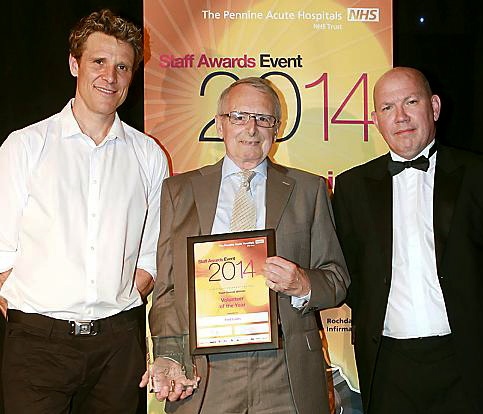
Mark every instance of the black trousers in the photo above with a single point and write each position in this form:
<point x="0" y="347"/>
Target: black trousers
<point x="418" y="376"/>
<point x="48" y="371"/>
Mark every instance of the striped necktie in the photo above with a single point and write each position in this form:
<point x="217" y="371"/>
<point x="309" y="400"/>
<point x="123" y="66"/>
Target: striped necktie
<point x="244" y="215"/>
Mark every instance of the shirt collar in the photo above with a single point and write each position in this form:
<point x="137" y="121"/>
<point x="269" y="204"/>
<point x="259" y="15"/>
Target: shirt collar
<point x="424" y="152"/>
<point x="229" y="168"/>
<point x="71" y="129"/>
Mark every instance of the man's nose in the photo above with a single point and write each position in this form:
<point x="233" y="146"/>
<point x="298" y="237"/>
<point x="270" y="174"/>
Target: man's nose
<point x="110" y="74"/>
<point x="401" y="114"/>
<point x="252" y="125"/>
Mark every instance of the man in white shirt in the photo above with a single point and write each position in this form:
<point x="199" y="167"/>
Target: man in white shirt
<point x="411" y="228"/>
<point x="308" y="272"/>
<point x="79" y="224"/>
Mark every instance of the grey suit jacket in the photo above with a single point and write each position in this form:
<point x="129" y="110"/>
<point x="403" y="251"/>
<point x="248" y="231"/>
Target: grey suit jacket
<point x="298" y="208"/>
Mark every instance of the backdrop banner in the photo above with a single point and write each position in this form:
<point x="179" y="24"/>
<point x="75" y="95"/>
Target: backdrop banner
<point x="324" y="57"/>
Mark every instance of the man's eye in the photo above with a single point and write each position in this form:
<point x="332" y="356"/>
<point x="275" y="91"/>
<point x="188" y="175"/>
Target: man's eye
<point x="412" y="101"/>
<point x="237" y="117"/>
<point x="385" y="108"/>
<point x="122" y="67"/>
<point x="263" y="118"/>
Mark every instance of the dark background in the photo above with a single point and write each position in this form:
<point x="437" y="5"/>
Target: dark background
<point x="36" y="83"/>
<point x="447" y="48"/>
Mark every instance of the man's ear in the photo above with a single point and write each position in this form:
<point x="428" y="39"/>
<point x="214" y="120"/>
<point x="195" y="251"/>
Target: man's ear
<point x="436" y="104"/>
<point x="219" y="125"/>
<point x="374" y="119"/>
<point x="73" y="66"/>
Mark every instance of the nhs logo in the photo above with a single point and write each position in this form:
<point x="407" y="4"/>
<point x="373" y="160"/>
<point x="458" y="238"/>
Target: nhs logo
<point x="362" y="15"/>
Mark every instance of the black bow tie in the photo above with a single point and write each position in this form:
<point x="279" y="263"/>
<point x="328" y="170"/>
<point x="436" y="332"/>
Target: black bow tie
<point x="420" y="163"/>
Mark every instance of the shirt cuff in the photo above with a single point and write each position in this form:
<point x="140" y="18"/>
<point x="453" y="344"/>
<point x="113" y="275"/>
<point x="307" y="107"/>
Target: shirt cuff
<point x="145" y="266"/>
<point x="300" y="302"/>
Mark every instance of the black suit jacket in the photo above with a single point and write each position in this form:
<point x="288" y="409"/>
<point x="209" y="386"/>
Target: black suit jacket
<point x="363" y="213"/>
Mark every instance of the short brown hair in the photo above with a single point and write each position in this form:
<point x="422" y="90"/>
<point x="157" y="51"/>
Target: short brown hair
<point x="105" y="21"/>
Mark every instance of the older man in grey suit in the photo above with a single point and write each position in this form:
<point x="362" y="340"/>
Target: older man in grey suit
<point x="308" y="273"/>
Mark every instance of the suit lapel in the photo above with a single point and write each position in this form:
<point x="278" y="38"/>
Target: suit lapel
<point x="447" y="179"/>
<point x="278" y="190"/>
<point x="206" y="187"/>
<point x="379" y="186"/>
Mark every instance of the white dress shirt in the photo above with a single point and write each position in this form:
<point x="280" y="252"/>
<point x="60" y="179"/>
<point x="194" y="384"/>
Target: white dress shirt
<point x="416" y="305"/>
<point x="77" y="219"/>
<point x="230" y="184"/>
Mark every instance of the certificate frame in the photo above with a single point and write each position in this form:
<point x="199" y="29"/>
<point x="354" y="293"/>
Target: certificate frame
<point x="237" y="312"/>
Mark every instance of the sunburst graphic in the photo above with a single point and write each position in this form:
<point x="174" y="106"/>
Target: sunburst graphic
<point x="326" y="79"/>
<point x="181" y="32"/>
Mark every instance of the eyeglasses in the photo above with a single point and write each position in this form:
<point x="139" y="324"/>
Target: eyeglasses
<point x="241" y="118"/>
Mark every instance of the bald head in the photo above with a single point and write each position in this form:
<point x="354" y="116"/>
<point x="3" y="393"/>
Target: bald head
<point x="403" y="72"/>
<point x="405" y="111"/>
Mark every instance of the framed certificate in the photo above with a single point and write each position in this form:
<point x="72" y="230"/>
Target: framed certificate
<point x="230" y="307"/>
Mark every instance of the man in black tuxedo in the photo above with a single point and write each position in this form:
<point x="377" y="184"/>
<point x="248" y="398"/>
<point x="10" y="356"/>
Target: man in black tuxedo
<point x="411" y="227"/>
